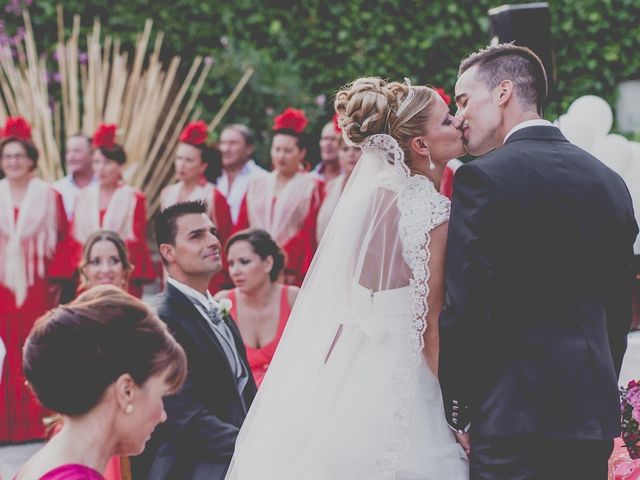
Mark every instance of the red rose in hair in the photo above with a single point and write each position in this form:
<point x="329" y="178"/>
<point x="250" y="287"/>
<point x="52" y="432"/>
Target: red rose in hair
<point x="16" y="127"/>
<point x="443" y="94"/>
<point x="291" y="119"/>
<point x="336" y="124"/>
<point x="105" y="136"/>
<point x="195" y="133"/>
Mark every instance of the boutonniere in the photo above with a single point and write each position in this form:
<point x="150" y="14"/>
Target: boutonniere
<point x="225" y="306"/>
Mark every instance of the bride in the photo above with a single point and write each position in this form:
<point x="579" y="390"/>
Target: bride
<point x="352" y="392"/>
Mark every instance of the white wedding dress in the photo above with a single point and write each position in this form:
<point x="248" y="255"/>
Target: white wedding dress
<point x="349" y="395"/>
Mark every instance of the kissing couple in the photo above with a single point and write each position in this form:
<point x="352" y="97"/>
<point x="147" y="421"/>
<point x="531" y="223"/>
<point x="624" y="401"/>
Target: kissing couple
<point x="479" y="338"/>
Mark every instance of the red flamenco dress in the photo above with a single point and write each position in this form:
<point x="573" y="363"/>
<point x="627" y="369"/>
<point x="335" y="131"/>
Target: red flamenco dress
<point x="290" y="217"/>
<point x="35" y="250"/>
<point x="260" y="358"/>
<point x="126" y="215"/>
<point x="218" y="211"/>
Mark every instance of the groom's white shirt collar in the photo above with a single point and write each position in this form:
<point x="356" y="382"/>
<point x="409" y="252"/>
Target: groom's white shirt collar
<point x="193" y="293"/>
<point x="539" y="122"/>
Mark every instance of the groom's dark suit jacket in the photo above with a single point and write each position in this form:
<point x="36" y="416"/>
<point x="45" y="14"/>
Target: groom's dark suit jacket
<point x="538" y="278"/>
<point x="203" y="419"/>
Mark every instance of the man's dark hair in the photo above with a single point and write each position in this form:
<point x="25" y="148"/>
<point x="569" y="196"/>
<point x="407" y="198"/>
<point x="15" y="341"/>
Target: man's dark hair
<point x="166" y="221"/>
<point x="511" y="62"/>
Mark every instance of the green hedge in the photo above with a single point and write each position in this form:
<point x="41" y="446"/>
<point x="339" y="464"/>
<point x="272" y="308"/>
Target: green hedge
<point x="305" y="52"/>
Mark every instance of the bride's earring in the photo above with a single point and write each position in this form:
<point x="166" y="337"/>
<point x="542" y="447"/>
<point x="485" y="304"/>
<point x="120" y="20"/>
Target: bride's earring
<point x="432" y="166"/>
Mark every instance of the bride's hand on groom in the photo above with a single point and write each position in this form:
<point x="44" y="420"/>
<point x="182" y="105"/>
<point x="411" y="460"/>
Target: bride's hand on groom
<point x="463" y="440"/>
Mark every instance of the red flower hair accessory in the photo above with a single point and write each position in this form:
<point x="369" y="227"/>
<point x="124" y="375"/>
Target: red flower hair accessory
<point x="336" y="124"/>
<point x="195" y="133"/>
<point x="105" y="136"/>
<point x="440" y="91"/>
<point x="291" y="119"/>
<point x="16" y="127"/>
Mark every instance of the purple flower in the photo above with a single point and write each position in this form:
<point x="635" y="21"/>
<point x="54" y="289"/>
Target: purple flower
<point x="321" y="100"/>
<point x="208" y="60"/>
<point x="83" y="57"/>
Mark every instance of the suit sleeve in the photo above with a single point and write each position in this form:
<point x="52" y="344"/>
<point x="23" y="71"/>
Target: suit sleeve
<point x="618" y="306"/>
<point x="189" y="421"/>
<point x="198" y="427"/>
<point x="468" y="273"/>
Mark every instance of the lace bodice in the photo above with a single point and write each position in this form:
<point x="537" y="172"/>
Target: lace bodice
<point x="422" y="208"/>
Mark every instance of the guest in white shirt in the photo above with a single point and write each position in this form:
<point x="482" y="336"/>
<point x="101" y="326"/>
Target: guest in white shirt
<point x="237" y="145"/>
<point x="79" y="171"/>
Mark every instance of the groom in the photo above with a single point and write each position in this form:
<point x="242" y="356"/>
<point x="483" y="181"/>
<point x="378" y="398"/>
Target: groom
<point x="203" y="419"/>
<point x="538" y="276"/>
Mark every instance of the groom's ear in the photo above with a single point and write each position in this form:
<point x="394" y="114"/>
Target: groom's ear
<point x="504" y="91"/>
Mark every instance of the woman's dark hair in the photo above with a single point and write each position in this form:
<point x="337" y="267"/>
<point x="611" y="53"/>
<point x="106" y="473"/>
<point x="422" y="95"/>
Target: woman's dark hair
<point x="213" y="159"/>
<point x="109" y="236"/>
<point x="207" y="153"/>
<point x="301" y="139"/>
<point x="74" y="352"/>
<point x="264" y="246"/>
<point x="115" y="153"/>
<point x="29" y="146"/>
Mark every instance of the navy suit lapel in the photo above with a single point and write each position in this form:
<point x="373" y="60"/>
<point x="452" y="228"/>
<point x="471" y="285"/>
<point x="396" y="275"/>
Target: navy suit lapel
<point x="197" y="326"/>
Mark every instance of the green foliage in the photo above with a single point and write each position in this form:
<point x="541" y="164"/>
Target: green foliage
<point x="305" y="51"/>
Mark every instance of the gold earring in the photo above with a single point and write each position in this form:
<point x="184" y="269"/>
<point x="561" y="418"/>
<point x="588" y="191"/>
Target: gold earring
<point x="128" y="409"/>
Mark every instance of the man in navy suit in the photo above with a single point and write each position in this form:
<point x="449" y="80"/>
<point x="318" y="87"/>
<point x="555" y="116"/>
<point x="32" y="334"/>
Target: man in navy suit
<point x="203" y="419"/>
<point x="538" y="277"/>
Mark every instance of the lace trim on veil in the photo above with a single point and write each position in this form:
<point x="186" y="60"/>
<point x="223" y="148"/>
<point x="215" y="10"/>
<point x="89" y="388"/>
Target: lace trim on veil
<point x="421" y="208"/>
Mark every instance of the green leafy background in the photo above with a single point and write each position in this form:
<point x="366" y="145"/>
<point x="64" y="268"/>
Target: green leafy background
<point x="303" y="51"/>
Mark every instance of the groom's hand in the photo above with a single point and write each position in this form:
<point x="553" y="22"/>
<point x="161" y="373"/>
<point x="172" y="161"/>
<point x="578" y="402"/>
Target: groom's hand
<point x="463" y="440"/>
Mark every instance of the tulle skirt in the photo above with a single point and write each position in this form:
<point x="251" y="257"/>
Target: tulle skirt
<point x="346" y="421"/>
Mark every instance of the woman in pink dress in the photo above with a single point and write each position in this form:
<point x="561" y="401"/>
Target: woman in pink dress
<point x="259" y="304"/>
<point x="34" y="244"/>
<point x="286" y="202"/>
<point x="104" y="362"/>
<point x="193" y="156"/>
<point x="111" y="204"/>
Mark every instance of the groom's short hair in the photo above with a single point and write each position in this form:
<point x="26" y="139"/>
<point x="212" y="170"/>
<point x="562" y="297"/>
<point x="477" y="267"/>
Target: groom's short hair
<point x="166" y="225"/>
<point x="511" y="62"/>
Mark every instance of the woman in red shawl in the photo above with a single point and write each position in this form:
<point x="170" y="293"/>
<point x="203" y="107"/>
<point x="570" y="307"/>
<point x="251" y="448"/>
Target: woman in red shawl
<point x="111" y="204"/>
<point x="33" y="242"/>
<point x="285" y="203"/>
<point x="193" y="157"/>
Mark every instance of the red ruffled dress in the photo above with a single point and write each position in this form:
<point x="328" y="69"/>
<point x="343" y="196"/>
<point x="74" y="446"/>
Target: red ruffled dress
<point x="143" y="271"/>
<point x="298" y="238"/>
<point x="20" y="413"/>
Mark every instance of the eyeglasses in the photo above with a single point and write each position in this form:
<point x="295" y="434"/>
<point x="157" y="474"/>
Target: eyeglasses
<point x="16" y="156"/>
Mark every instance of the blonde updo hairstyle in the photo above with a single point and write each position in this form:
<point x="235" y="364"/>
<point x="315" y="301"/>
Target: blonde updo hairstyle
<point x="369" y="106"/>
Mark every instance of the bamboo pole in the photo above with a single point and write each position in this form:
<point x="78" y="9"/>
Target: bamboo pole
<point x="232" y="98"/>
